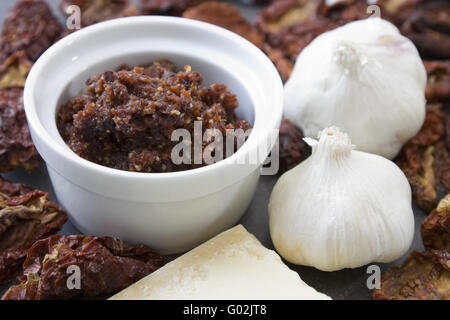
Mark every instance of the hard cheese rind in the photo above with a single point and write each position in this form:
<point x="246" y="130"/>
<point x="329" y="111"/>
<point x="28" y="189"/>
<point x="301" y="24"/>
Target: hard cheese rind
<point x="233" y="265"/>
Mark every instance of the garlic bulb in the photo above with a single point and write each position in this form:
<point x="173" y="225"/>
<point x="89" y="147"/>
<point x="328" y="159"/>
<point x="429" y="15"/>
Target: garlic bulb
<point x="363" y="77"/>
<point x="341" y="208"/>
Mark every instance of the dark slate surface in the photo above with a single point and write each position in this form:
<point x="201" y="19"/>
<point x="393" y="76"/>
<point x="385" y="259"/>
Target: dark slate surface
<point x="345" y="284"/>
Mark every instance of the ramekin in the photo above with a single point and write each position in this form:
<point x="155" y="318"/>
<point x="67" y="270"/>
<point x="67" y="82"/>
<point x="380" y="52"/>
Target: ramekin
<point x="170" y="212"/>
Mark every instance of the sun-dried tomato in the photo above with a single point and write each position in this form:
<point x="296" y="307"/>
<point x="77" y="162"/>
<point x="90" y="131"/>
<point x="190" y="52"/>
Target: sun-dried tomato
<point x="285" y="13"/>
<point x="397" y="11"/>
<point x="281" y="62"/>
<point x="438" y="85"/>
<point x="14" y="70"/>
<point x="142" y="107"/>
<point x="106" y="266"/>
<point x="293" y="149"/>
<point x="26" y="216"/>
<point x="29" y="26"/>
<point x="428" y="26"/>
<point x="435" y="228"/>
<point x="168" y="7"/>
<point x="424" y="276"/>
<point x="290" y="25"/>
<point x="225" y="16"/>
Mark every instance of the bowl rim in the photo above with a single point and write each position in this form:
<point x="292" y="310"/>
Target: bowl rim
<point x="67" y="154"/>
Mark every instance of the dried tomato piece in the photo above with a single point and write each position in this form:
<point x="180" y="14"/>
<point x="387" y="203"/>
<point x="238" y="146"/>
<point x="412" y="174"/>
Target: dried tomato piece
<point x="13" y="189"/>
<point x="167" y="7"/>
<point x="293" y="149"/>
<point x="14" y="70"/>
<point x="346" y="10"/>
<point x="285" y="13"/>
<point x="281" y="62"/>
<point x="107" y="265"/>
<point x="290" y="25"/>
<point x="94" y="11"/>
<point x="424" y="276"/>
<point x="25" y="217"/>
<point x="425" y="159"/>
<point x="254" y="2"/>
<point x="438" y="85"/>
<point x="428" y="26"/>
<point x="397" y="11"/>
<point x="226" y="16"/>
<point x="16" y="147"/>
<point x="293" y="39"/>
<point x="30" y="26"/>
<point x="143" y="106"/>
<point x="435" y="228"/>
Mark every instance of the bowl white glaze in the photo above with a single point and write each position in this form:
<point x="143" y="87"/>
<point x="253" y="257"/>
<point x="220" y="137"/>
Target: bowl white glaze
<point x="170" y="212"/>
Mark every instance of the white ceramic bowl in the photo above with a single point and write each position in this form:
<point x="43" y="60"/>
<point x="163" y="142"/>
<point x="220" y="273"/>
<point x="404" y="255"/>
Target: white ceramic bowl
<point x="170" y="212"/>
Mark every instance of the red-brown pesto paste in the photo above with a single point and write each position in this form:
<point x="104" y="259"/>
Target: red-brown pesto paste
<point x="126" y="118"/>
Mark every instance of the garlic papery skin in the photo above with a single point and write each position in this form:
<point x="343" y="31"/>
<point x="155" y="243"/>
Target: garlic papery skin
<point x="363" y="77"/>
<point x="341" y="208"/>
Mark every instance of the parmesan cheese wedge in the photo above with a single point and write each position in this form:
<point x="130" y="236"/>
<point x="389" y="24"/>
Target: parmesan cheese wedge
<point x="233" y="265"/>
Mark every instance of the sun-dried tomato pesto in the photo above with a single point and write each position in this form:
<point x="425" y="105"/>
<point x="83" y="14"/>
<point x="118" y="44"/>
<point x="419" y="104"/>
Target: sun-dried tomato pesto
<point x="126" y="118"/>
